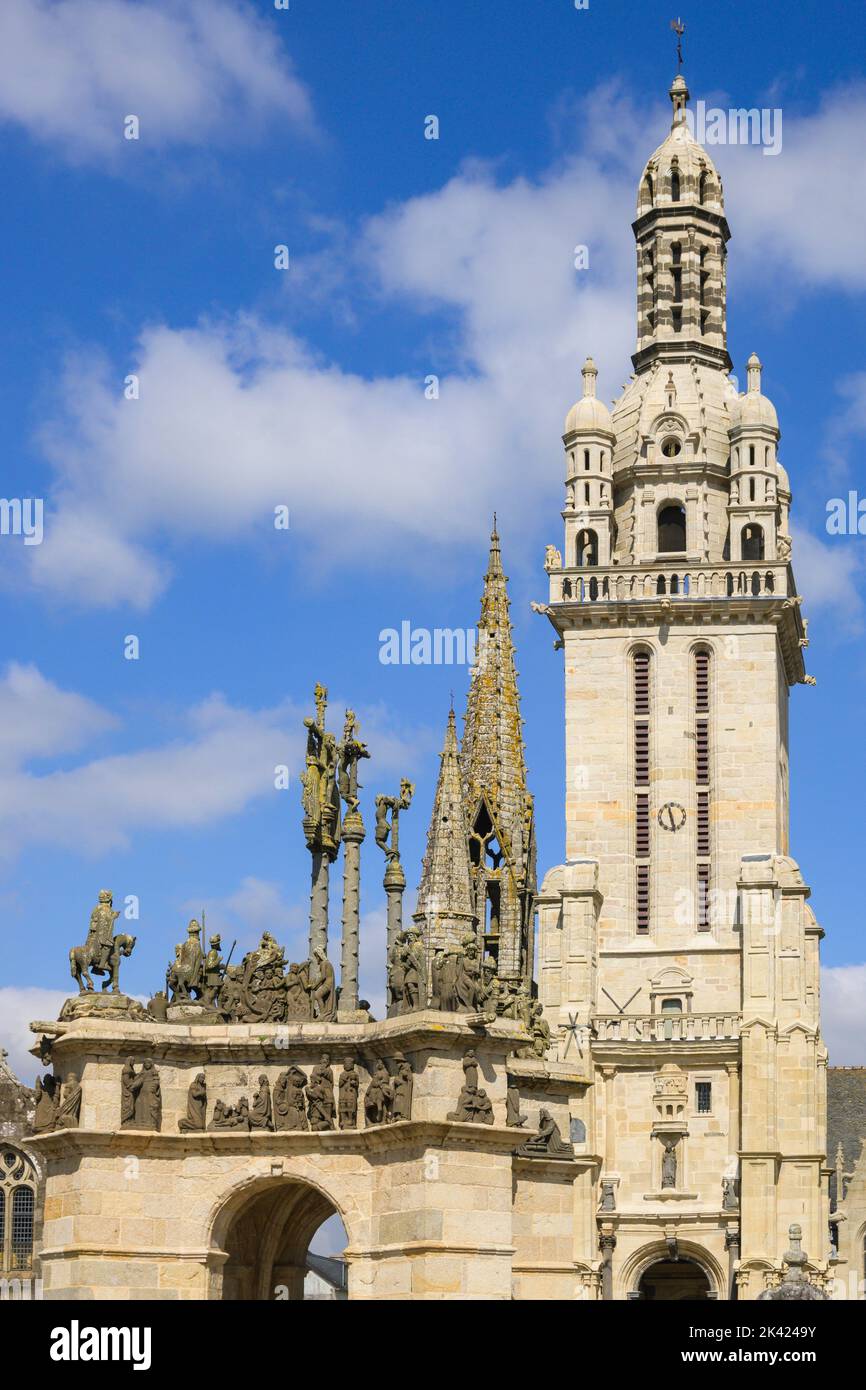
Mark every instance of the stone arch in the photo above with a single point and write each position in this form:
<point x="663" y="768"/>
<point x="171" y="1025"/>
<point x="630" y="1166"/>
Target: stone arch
<point x="260" y="1233"/>
<point x="656" y="1252"/>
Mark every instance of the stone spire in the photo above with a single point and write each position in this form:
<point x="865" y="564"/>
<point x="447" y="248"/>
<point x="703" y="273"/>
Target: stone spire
<point x="499" y="809"/>
<point x="444" y="910"/>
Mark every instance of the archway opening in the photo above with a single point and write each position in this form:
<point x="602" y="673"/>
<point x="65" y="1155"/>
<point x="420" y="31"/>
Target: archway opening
<point x="674" y="1281"/>
<point x="284" y="1243"/>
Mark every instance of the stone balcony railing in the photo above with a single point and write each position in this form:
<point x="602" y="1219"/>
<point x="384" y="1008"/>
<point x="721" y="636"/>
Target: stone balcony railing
<point x="656" y="1028"/>
<point x="676" y="581"/>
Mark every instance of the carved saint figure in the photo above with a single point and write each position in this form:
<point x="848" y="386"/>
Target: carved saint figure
<point x="350" y="753"/>
<point x="213" y="972"/>
<point x="47" y="1098"/>
<point x="348" y="1102"/>
<point x="297" y="986"/>
<point x="320" y="1095"/>
<point x="669" y="1160"/>
<point x="513" y="1117"/>
<point x="185" y="975"/>
<point x="378" y="1096"/>
<point x="148" y="1098"/>
<point x="402" y="1087"/>
<point x="325" y="988"/>
<point x="414" y="971"/>
<point x="195" y="1119"/>
<point x="548" y="1142"/>
<point x="69" y="1109"/>
<point x="387" y="834"/>
<point x="260" y="1114"/>
<point x="468" y="978"/>
<point x="127" y="1095"/>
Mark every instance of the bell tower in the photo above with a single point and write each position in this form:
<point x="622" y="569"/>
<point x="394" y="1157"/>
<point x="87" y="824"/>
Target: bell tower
<point x="678" y="933"/>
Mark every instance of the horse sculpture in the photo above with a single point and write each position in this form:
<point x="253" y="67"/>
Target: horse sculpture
<point x="84" y="959"/>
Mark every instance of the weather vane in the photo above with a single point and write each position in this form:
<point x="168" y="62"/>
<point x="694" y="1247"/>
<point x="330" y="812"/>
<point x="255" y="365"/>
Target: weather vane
<point x="679" y="29"/>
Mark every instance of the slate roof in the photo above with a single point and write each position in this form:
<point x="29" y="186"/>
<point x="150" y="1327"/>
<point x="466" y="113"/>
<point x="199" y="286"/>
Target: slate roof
<point x="846" y="1116"/>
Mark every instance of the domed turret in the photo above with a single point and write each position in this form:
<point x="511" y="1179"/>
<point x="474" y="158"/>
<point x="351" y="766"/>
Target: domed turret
<point x="589" y="413"/>
<point x="589" y="441"/>
<point x="758" y="507"/>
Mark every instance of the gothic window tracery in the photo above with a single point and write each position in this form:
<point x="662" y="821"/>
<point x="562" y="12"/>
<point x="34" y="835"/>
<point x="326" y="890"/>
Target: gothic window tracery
<point x="18" y="1183"/>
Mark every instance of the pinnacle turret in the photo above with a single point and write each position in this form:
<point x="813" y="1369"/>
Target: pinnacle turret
<point x="445" y="909"/>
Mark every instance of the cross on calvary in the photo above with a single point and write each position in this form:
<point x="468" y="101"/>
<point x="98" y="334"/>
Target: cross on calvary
<point x="679" y="29"/>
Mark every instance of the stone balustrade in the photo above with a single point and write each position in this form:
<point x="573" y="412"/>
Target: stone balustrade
<point x="627" y="583"/>
<point x="643" y="1028"/>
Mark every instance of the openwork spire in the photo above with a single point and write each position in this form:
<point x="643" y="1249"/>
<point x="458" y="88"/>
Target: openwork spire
<point x="498" y="808"/>
<point x="445" y="905"/>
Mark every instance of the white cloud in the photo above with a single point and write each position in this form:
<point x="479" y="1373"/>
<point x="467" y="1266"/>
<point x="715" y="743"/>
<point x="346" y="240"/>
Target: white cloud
<point x="843" y="990"/>
<point x="255" y="906"/>
<point x="236" y="417"/>
<point x="222" y="760"/>
<point x="19" y="1006"/>
<point x="827" y="573"/>
<point x="72" y="70"/>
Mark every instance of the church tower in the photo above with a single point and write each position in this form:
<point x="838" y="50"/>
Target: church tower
<point x="678" y="933"/>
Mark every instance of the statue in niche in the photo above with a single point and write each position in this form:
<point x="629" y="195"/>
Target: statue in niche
<point x="102" y="952"/>
<point x="402" y="1087"/>
<point x="324" y="991"/>
<point x="348" y="1095"/>
<point x="414" y="971"/>
<point x="299" y="1005"/>
<point x="730" y="1194"/>
<point x="608" y="1194"/>
<point x="147" y="1096"/>
<point x="185" y="975"/>
<point x="669" y="1160"/>
<point x="473" y="1103"/>
<point x="513" y="1118"/>
<point x="387" y="833"/>
<point x="214" y="969"/>
<point x="448" y="982"/>
<point x="195" y="1120"/>
<point x="350" y="752"/>
<point x="379" y="1096"/>
<point x="47" y="1101"/>
<point x="548" y="1142"/>
<point x="69" y="1109"/>
<point x="260" y="1113"/>
<point x="539" y="1030"/>
<point x="127" y="1094"/>
<point x="320" y="1095"/>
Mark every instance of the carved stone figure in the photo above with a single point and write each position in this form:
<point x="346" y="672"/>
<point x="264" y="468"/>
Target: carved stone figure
<point x="448" y="982"/>
<point x="669" y="1160"/>
<point x="436" y="967"/>
<point x="608" y="1194"/>
<point x="47" y="1100"/>
<point x="467" y="981"/>
<point x="195" y="1120"/>
<point x="69" y="1109"/>
<point x="102" y="951"/>
<point x="260" y="1112"/>
<point x="548" y="1142"/>
<point x="473" y="1107"/>
<point x="319" y="796"/>
<point x="387" y="833"/>
<point x="231" y="999"/>
<point x="350" y="752"/>
<point x="401" y="1088"/>
<point x="730" y="1194"/>
<point x="185" y="975"/>
<point x="414" y="971"/>
<point x="127" y="1095"/>
<point x="378" y="1097"/>
<point x="213" y="972"/>
<point x="227" y="1117"/>
<point x="325" y="989"/>
<point x="148" y="1098"/>
<point x="795" y="1285"/>
<point x="348" y="1091"/>
<point x="396" y="971"/>
<point x="470" y="1070"/>
<point x="513" y="1117"/>
<point x="320" y="1095"/>
<point x="299" y="1005"/>
<point x="296" y="1100"/>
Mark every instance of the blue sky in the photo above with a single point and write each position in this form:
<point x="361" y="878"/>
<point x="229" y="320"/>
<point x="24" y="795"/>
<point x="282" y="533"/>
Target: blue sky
<point x="305" y="387"/>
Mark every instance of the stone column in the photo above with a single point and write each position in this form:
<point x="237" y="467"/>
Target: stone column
<point x="732" y="1245"/>
<point x="394" y="884"/>
<point x="319" y="901"/>
<point x="607" y="1245"/>
<point x="353" y="837"/>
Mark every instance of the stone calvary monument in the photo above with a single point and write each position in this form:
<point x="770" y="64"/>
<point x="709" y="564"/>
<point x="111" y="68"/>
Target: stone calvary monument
<point x="637" y="1110"/>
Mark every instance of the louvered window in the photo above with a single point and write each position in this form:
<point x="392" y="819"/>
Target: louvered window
<point x="703" y="783"/>
<point x="642" y="839"/>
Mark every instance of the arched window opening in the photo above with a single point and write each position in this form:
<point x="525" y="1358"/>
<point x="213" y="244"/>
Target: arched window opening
<point x="752" y="542"/>
<point x="751" y="455"/>
<point x="587" y="548"/>
<point x="672" y="529"/>
<point x="703" y="184"/>
<point x="648" y="188"/>
<point x="17" y="1211"/>
<point x="586" y="494"/>
<point x="586" y="459"/>
<point x="671" y="447"/>
<point x="675" y="185"/>
<point x="751" y="489"/>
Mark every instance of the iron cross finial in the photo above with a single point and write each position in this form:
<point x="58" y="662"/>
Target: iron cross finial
<point x="679" y="29"/>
